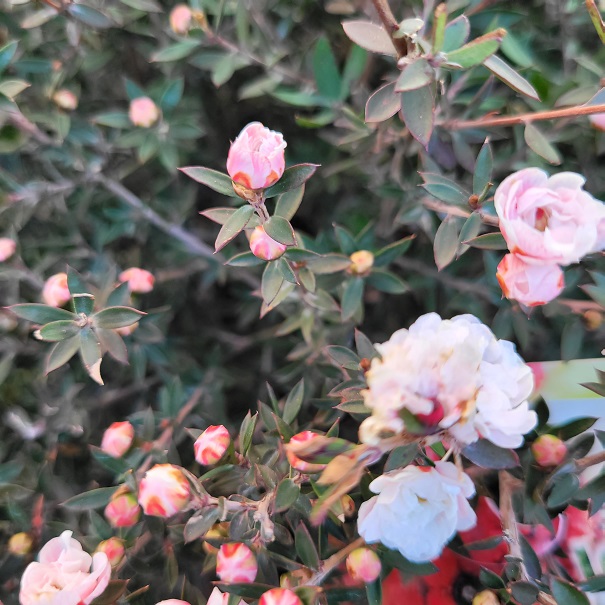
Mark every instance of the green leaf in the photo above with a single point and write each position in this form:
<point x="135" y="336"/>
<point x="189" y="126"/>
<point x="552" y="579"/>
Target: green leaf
<point x="286" y="495"/>
<point x="246" y="590"/>
<point x="476" y="52"/>
<point x="565" y="487"/>
<point x="439" y="23"/>
<point x="172" y="94"/>
<point x="456" y="33"/>
<point x="567" y="594"/>
<point x="509" y="76"/>
<point x="41" y="314"/>
<point x="75" y="283"/>
<point x="383" y="104"/>
<point x="116" y="317"/>
<point x="95" y="498"/>
<point x="58" y="330"/>
<point x="234" y="225"/>
<point x="7" y="52"/>
<point x="147" y="6"/>
<point x="83" y="303"/>
<point x="305" y="547"/>
<point x="219" y="215"/>
<point x="483" y="169"/>
<point x="200" y="523"/>
<point x="353" y="70"/>
<point x="294" y="402"/>
<point x="279" y="229"/>
<point x="418" y="108"/>
<point x="293" y="177"/>
<point x="388" y="282"/>
<point x="90" y="352"/>
<point x="415" y="75"/>
<point x="244" y="259"/>
<point x="352" y="298"/>
<point x="327" y="76"/>
<point x="89" y="16"/>
<point x="343" y="357"/>
<point x="211" y="178"/>
<point x="175" y="52"/>
<point x="370" y="36"/>
<point x="401" y="456"/>
<point x="246" y="432"/>
<point x="487" y="455"/>
<point x="288" y="203"/>
<point x="112" y="119"/>
<point x="444" y="189"/>
<point x="446" y="242"/>
<point x="469" y="230"/>
<point x="530" y="559"/>
<point x="488" y="241"/>
<point x="538" y="143"/>
<point x="389" y="253"/>
<point x="329" y="263"/>
<point x="11" y="88"/>
<point x="115" y="589"/>
<point x="524" y="592"/>
<point x="595" y="491"/>
<point x="61" y="353"/>
<point x="286" y="271"/>
<point x="364" y="346"/>
<point x="271" y="282"/>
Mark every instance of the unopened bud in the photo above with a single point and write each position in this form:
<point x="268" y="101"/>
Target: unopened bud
<point x="486" y="597"/>
<point x="113" y="548"/>
<point x="235" y="563"/>
<point x="139" y="280"/>
<point x="298" y="463"/>
<point x="549" y="450"/>
<point x="123" y="510"/>
<point x="210" y="446"/>
<point x="364" y="565"/>
<point x="7" y="248"/>
<point x="20" y="544"/>
<point x="117" y="439"/>
<point x="143" y="112"/>
<point x="164" y="491"/>
<point x="180" y="19"/>
<point x="593" y="319"/>
<point x="265" y="247"/>
<point x="361" y="262"/>
<point x="65" y="99"/>
<point x="279" y="596"/>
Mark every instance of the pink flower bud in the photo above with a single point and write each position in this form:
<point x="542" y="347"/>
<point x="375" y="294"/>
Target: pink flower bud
<point x="598" y="120"/>
<point x="263" y="246"/>
<point x="180" y="19"/>
<point x="219" y="598"/>
<point x="210" y="446"/>
<point x="7" y="248"/>
<point x="123" y="510"/>
<point x="295" y="461"/>
<point x="235" y="562"/>
<point x="364" y="565"/>
<point x="65" y="99"/>
<point x="117" y="439"/>
<point x="529" y="284"/>
<point x="113" y="548"/>
<point x="20" y="544"/>
<point x="174" y="602"/>
<point x="256" y="158"/>
<point x="139" y="280"/>
<point x="361" y="262"/>
<point x="279" y="596"/>
<point x="164" y="491"/>
<point x="143" y="112"/>
<point x="549" y="450"/>
<point x="55" y="292"/>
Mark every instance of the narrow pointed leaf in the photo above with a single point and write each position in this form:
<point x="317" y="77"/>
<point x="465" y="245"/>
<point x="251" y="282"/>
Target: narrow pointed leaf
<point x="279" y="229"/>
<point x="116" y="317"/>
<point x="415" y="75"/>
<point x="418" y="108"/>
<point x="383" y="104"/>
<point x="41" y="314"/>
<point x="370" y="36"/>
<point x="211" y="178"/>
<point x="293" y="177"/>
<point x="476" y="52"/>
<point x="509" y="76"/>
<point x="61" y="353"/>
<point x="236" y="223"/>
<point x="58" y="330"/>
<point x="538" y="143"/>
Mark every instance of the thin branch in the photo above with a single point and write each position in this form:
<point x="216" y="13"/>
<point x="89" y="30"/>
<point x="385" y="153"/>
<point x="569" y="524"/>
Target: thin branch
<point x="437" y="206"/>
<point x="192" y="244"/>
<point x="596" y="18"/>
<point x="584" y="463"/>
<point x="508" y="484"/>
<point x="551" y="114"/>
<point x="391" y="26"/>
<point x="334" y="561"/>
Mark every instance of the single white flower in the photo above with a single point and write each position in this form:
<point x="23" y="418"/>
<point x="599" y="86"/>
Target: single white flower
<point x="418" y="510"/>
<point x="451" y="375"/>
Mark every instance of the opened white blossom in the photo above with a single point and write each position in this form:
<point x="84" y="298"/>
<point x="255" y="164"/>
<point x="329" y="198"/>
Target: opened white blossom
<point x="418" y="510"/>
<point x="63" y="574"/>
<point x="449" y="375"/>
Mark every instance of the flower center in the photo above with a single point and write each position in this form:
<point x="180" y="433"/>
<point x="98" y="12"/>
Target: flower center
<point x="542" y="217"/>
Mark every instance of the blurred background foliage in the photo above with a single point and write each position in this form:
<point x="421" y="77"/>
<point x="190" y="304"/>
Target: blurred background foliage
<point x="85" y="186"/>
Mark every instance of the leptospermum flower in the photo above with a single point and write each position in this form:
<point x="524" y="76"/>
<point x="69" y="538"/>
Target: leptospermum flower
<point x="265" y="247"/>
<point x="364" y="565"/>
<point x="450" y="375"/>
<point x="164" y="491"/>
<point x="210" y="446"/>
<point x="549" y="220"/>
<point x="117" y="439"/>
<point x="180" y="19"/>
<point x="235" y="562"/>
<point x="418" y="510"/>
<point x="123" y="510"/>
<point x="139" y="281"/>
<point x="531" y="285"/>
<point x="279" y="596"/>
<point x="143" y="112"/>
<point x="7" y="248"/>
<point x="64" y="574"/>
<point x="256" y="158"/>
<point x="55" y="291"/>
<point x="549" y="450"/>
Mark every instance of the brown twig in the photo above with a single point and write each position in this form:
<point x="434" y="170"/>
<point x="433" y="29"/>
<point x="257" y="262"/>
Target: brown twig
<point x="584" y="463"/>
<point x="457" y="211"/>
<point x="391" y="26"/>
<point x="551" y="114"/>
<point x="508" y="484"/>
<point x="597" y="20"/>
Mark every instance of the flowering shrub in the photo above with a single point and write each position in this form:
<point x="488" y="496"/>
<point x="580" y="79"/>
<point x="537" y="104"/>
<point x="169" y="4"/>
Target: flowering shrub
<point x="219" y="426"/>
